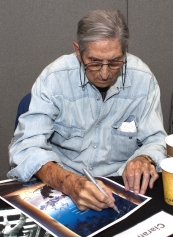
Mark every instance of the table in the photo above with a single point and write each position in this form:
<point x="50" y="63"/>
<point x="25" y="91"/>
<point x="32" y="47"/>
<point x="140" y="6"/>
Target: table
<point x="156" y="204"/>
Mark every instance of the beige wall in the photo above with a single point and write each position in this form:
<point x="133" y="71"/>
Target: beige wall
<point x="35" y="32"/>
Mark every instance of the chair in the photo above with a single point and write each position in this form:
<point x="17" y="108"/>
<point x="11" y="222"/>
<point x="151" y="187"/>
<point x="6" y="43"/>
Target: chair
<point x="22" y="107"/>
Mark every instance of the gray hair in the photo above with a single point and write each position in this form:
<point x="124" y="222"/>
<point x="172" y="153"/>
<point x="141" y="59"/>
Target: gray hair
<point x="98" y="25"/>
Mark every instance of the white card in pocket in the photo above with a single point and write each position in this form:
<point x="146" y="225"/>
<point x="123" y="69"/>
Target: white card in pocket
<point x="128" y="127"/>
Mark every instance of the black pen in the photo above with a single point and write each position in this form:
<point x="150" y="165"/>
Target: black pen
<point x="91" y="178"/>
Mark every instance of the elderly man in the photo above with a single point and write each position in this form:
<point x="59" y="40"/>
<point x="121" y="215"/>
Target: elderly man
<point x="98" y="109"/>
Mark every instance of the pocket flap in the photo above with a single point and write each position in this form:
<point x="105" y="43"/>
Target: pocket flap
<point x="69" y="131"/>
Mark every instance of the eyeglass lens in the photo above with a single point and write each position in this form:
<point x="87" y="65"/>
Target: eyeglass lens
<point x="97" y="66"/>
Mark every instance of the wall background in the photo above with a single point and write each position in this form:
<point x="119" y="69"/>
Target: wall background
<point x="33" y="33"/>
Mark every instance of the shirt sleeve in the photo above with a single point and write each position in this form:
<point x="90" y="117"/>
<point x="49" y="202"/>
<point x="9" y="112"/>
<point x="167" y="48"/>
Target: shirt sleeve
<point x="30" y="147"/>
<point x="151" y="133"/>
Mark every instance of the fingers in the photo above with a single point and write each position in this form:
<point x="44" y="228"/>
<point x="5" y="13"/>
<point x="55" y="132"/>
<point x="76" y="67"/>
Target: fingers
<point x="154" y="177"/>
<point x="138" y="175"/>
<point x="111" y="200"/>
<point x="148" y="179"/>
<point x="89" y="197"/>
<point x="132" y="180"/>
<point x="145" y="181"/>
<point x="89" y="201"/>
<point x="126" y="184"/>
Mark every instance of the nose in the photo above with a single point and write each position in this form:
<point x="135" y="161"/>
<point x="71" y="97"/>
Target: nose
<point x="104" y="71"/>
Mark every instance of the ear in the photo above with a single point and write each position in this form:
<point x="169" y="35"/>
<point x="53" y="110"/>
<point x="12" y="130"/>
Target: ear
<point x="76" y="48"/>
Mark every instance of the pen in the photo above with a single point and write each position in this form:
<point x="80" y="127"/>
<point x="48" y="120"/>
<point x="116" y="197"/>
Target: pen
<point x="91" y="178"/>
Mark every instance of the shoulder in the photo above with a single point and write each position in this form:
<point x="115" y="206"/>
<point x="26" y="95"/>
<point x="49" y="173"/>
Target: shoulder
<point x="135" y="63"/>
<point x="64" y="63"/>
<point x="139" y="75"/>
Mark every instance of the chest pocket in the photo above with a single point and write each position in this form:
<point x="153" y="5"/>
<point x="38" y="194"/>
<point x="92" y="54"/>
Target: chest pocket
<point x="124" y="144"/>
<point x="69" y="139"/>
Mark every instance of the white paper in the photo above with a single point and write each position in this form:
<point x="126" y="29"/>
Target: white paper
<point x="158" y="225"/>
<point x="127" y="127"/>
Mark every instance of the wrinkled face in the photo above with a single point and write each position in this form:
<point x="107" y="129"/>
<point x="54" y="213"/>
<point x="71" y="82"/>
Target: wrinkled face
<point x="98" y="53"/>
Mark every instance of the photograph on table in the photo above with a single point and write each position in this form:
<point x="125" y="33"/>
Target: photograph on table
<point x="57" y="213"/>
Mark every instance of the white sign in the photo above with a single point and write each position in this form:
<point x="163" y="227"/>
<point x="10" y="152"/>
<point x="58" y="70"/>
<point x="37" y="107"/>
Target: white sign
<point x="159" y="225"/>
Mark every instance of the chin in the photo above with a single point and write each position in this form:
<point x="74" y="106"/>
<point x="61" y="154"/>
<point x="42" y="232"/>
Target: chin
<point x="102" y="85"/>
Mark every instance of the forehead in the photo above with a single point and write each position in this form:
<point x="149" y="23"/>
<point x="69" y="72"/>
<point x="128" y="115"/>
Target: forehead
<point x="104" y="49"/>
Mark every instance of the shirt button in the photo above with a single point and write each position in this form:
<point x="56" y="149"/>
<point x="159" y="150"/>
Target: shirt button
<point x="90" y="168"/>
<point x="98" y="98"/>
<point x="95" y="147"/>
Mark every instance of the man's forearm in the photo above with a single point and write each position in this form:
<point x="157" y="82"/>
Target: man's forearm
<point x="58" y="178"/>
<point x="83" y="192"/>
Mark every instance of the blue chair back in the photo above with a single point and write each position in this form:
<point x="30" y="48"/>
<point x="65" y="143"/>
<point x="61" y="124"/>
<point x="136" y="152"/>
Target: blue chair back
<point x="22" y="107"/>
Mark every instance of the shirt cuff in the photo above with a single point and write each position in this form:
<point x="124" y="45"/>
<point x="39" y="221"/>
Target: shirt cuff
<point x="24" y="171"/>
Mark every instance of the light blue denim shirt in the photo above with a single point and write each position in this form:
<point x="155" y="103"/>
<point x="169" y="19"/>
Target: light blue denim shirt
<point x="77" y="129"/>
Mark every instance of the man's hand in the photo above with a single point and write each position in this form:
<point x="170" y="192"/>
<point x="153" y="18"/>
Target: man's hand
<point x="86" y="195"/>
<point x="137" y="169"/>
<point x="83" y="192"/>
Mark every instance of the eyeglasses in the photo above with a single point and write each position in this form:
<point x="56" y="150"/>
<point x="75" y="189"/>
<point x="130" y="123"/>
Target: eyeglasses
<point x="113" y="65"/>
